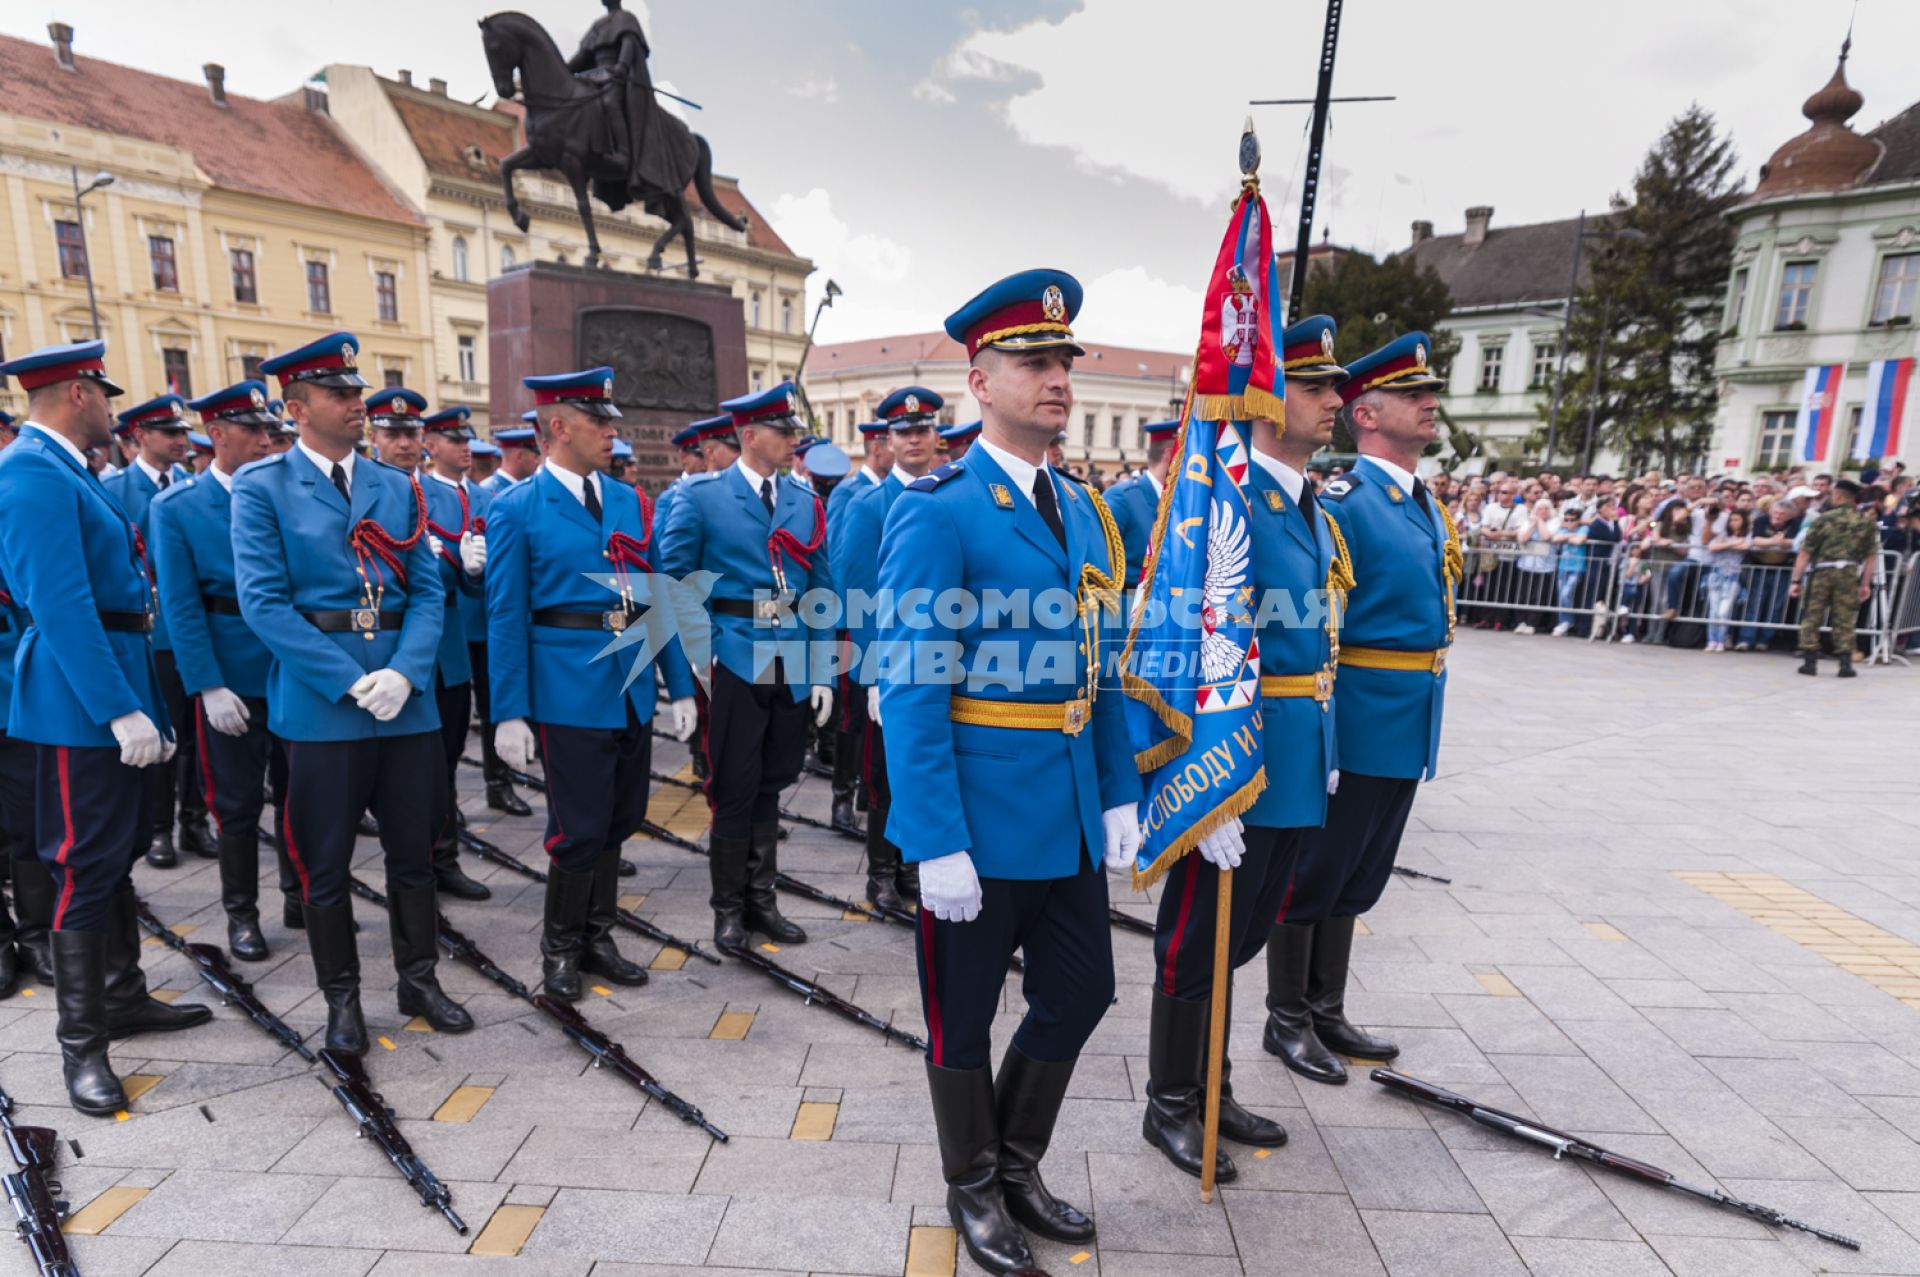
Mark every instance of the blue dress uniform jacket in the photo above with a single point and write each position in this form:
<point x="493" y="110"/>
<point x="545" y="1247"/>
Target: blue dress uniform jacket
<point x="473" y="601"/>
<point x="13" y="626"/>
<point x="1389" y="720"/>
<point x="1290" y="561"/>
<point x="542" y="547"/>
<point x="855" y="542"/>
<point x="1134" y="504"/>
<point x="67" y="550"/>
<point x="291" y="557"/>
<point x="193" y="544"/>
<point x="498" y="482"/>
<point x="843" y="493"/>
<point x="443" y="507"/>
<point x="1025" y="803"/>
<point x="135" y="493"/>
<point x="719" y="524"/>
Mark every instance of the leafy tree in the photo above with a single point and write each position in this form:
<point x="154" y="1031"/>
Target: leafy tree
<point x="1375" y="301"/>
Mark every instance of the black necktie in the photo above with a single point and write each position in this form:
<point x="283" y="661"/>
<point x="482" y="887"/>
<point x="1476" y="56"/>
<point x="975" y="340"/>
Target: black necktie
<point x="1049" y="507"/>
<point x="766" y="495"/>
<point x="1307" y="505"/>
<point x="1420" y="495"/>
<point x="340" y="482"/>
<point x="591" y="497"/>
<point x="166" y="477"/>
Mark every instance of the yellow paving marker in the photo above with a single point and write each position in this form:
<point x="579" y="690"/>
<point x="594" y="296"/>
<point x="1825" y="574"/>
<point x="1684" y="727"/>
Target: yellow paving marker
<point x="1605" y="930"/>
<point x="603" y="990"/>
<point x="633" y="900"/>
<point x="507" y="1231"/>
<point x="418" y="1024"/>
<point x="669" y="959"/>
<point x="1080" y="1257"/>
<point x="732" y="1026"/>
<point x="93" y="1219"/>
<point x="931" y="1251"/>
<point x="1361" y="1062"/>
<point x="770" y="948"/>
<point x="26" y="993"/>
<point x="1260" y="1154"/>
<point x="138" y="1084"/>
<point x="1360" y="928"/>
<point x="850" y="916"/>
<point x="158" y="995"/>
<point x="387" y="1042"/>
<point x="462" y="1105"/>
<point x="1853" y="944"/>
<point x="814" y="1121"/>
<point x="1496" y="984"/>
<point x="184" y="928"/>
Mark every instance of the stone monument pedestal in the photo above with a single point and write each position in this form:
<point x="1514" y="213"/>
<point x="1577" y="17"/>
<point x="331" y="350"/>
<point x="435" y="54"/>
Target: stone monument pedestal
<point x="676" y="348"/>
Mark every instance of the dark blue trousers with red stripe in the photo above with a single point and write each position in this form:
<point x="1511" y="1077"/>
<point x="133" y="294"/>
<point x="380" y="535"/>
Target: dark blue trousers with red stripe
<point x="1190" y="904"/>
<point x="16" y="797"/>
<point x="1060" y="926"/>
<point x="402" y="780"/>
<point x="1345" y="864"/>
<point x="597" y="788"/>
<point x="234" y="768"/>
<point x="93" y="815"/>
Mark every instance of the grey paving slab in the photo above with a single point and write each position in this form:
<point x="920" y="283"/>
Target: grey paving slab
<point x="1141" y="1203"/>
<point x="1566" y="1257"/>
<point x="816" y="1169"/>
<point x="1534" y="1195"/>
<point x="226" y="1206"/>
<point x="832" y="1235"/>
<point x="1508" y="1026"/>
<point x="236" y="1259"/>
<point x="646" y="1228"/>
<point x="1721" y="1257"/>
<point x="383" y="1214"/>
<point x="102" y="1256"/>
<point x="1400" y="1171"/>
<point x="578" y="1156"/>
<point x="1432" y="1245"/>
<point x="1299" y="1232"/>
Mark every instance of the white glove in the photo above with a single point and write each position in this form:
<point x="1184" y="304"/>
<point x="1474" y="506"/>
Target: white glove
<point x="513" y="741"/>
<point x="1123" y="835"/>
<point x="382" y="693"/>
<point x="140" y="742"/>
<point x="873" y="706"/>
<point x="436" y="545"/>
<point x="1333" y="781"/>
<point x="822" y="698"/>
<point x="473" y="553"/>
<point x="685" y="719"/>
<point x="1226" y="846"/>
<point x="227" y="712"/>
<point x="950" y="887"/>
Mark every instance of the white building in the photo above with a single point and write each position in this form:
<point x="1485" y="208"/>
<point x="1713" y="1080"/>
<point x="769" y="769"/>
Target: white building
<point x="1826" y="268"/>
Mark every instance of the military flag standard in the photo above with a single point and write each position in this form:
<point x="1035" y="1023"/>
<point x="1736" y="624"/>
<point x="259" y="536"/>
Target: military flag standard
<point x="1889" y="391"/>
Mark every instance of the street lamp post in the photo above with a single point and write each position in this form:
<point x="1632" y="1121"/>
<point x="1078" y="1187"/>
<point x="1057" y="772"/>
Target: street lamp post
<point x="80" y="220"/>
<point x="826" y="300"/>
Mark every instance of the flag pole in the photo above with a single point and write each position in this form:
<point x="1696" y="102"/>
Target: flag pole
<point x="1216" y="1033"/>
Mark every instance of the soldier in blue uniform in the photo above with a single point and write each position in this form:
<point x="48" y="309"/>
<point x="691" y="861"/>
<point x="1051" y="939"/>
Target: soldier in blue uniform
<point x="87" y="696"/>
<point x="456" y="533"/>
<point x="25" y="946"/>
<point x="336" y="577"/>
<point x="687" y="443"/>
<point x="1135" y="501"/>
<point x="550" y="616"/>
<point x="519" y="460"/>
<point x="959" y="438"/>
<point x="850" y="756"/>
<point x="1394" y="637"/>
<point x="1027" y="718"/>
<point x="157" y="431"/>
<point x="765" y="537"/>
<point x="910" y="414"/>
<point x="223" y="666"/>
<point x="519" y="457"/>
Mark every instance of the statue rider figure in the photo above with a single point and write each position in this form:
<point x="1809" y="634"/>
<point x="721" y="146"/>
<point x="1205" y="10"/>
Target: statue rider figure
<point x="614" y="53"/>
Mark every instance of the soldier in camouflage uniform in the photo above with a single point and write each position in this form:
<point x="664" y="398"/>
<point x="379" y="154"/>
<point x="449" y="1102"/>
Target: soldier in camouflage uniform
<point x="1835" y="567"/>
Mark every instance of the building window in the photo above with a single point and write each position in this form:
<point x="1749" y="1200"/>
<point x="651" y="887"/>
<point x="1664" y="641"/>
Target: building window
<point x="506" y="257"/>
<point x="1796" y="291"/>
<point x="1899" y="278"/>
<point x="1853" y="430"/>
<point x="319" y="292"/>
<point x="250" y="367"/>
<point x="1491" y="359"/>
<point x="786" y="314"/>
<point x="73" y="252"/>
<point x="753" y="313"/>
<point x="756" y="380"/>
<point x="469" y="358"/>
<point x="393" y="377"/>
<point x="460" y="258"/>
<point x="1737" y="300"/>
<point x="387" y="294"/>
<point x="1776" y="440"/>
<point x="174" y="363"/>
<point x="245" y="287"/>
<point x="166" y="270"/>
<point x="1545" y="355"/>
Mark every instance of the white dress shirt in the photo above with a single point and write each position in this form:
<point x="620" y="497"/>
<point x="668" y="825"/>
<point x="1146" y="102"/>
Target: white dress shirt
<point x="66" y="444"/>
<point x="1021" y="472"/>
<point x="326" y="465"/>
<point x="226" y="480"/>
<point x="153" y="475"/>
<point x="872" y="478"/>
<point x="755" y="479"/>
<point x="1290" y="480"/>
<point x="575" y="483"/>
<point x="1395" y="473"/>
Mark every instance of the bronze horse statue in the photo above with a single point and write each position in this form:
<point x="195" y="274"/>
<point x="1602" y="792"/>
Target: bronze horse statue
<point x="567" y="132"/>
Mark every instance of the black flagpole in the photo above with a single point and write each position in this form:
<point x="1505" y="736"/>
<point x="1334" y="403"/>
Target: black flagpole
<point x="1310" y="187"/>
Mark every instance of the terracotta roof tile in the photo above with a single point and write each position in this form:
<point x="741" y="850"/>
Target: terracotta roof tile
<point x="938" y="348"/>
<point x="267" y="148"/>
<point x="1514" y="264"/>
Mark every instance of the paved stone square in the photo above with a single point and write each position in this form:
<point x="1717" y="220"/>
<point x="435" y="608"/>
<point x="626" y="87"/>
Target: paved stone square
<point x="1683" y="920"/>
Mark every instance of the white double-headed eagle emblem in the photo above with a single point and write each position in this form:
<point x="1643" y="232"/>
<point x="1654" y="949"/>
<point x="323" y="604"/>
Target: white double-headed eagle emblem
<point x="1229" y="556"/>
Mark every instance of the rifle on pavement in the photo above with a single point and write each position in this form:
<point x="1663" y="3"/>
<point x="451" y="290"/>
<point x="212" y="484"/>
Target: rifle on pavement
<point x="366" y="1107"/>
<point x="34" y="1194"/>
<point x="1565" y="1145"/>
<point x="606" y="1053"/>
<point x="813" y="993"/>
<point x="513" y="774"/>
<point x="1405" y="872"/>
<point x="784" y="881"/>
<point x="234" y="989"/>
<point x="1127" y="922"/>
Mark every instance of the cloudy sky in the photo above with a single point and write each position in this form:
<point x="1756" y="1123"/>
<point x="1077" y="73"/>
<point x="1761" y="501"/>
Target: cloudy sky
<point x="916" y="151"/>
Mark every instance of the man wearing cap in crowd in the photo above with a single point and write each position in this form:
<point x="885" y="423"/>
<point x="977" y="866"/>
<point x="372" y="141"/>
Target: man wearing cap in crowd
<point x="223" y="665"/>
<point x="519" y="461"/>
<point x="958" y="439"/>
<point x="1057" y="452"/>
<point x="1394" y="636"/>
<point x="571" y="573"/>
<point x="686" y="443"/>
<point x="202" y="446"/>
<point x="850" y="717"/>
<point x="157" y="430"/>
<point x="911" y="414"/>
<point x="519" y="455"/>
<point x="799" y="465"/>
<point x="486" y="460"/>
<point x="280" y="435"/>
<point x="87" y="696"/>
<point x="456" y="533"/>
<point x="337" y="578"/>
<point x="994" y="879"/>
<point x="25" y="944"/>
<point x="1136" y="500"/>
<point x="765" y="539"/>
<point x="719" y="450"/>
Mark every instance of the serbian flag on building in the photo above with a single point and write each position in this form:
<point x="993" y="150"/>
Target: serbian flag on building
<point x="1191" y="667"/>
<point x="1819" y="406"/>
<point x="1889" y="387"/>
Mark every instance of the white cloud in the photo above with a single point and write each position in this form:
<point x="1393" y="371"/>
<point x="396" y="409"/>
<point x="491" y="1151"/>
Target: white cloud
<point x="932" y="91"/>
<point x="676" y="109"/>
<point x="827" y="90"/>
<point x="1129" y="307"/>
<point x="852" y="258"/>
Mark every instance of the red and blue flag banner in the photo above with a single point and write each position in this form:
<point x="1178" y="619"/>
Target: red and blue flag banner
<point x="1882" y="416"/>
<point x="1239" y="372"/>
<point x="1819" y="406"/>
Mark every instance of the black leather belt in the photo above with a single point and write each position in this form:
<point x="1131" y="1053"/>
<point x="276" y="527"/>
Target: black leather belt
<point x="452" y="598"/>
<point x="358" y="620"/>
<point x="557" y="618"/>
<point x="762" y="609"/>
<point x="124" y="622"/>
<point x="220" y="605"/>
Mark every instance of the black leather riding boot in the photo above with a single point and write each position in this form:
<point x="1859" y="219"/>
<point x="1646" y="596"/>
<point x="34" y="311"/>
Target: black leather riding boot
<point x="563" y="931"/>
<point x="727" y="868"/>
<point x="33" y="917"/>
<point x="763" y="905"/>
<point x="336" y="972"/>
<point x="601" y="956"/>
<point x="1027" y="1097"/>
<point x="414" y="921"/>
<point x="883" y="872"/>
<point x="1290" y="1032"/>
<point x="79" y="959"/>
<point x="1176" y="1088"/>
<point x="9" y="956"/>
<point x="240" y="894"/>
<point x="966" y="1122"/>
<point x="448" y="876"/>
<point x="1238" y="1123"/>
<point x="130" y="1008"/>
<point x="1327" y="993"/>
